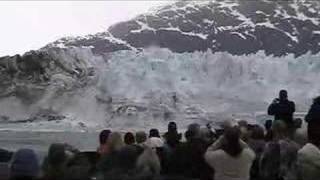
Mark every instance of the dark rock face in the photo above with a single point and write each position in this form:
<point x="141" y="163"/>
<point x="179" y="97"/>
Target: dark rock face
<point x="237" y="26"/>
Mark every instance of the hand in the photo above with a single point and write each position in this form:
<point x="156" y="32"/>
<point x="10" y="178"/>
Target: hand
<point x="275" y="101"/>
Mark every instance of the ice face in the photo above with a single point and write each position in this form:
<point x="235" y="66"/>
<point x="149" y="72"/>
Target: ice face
<point x="147" y="89"/>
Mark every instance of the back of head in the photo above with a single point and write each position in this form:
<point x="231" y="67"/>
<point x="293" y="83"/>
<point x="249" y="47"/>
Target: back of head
<point x="231" y="144"/>
<point x="257" y="133"/>
<point x="279" y="129"/>
<point x="194" y="130"/>
<point x="154" y="133"/>
<point x="5" y="156"/>
<point x="129" y="138"/>
<point x="141" y="137"/>
<point x="115" y="142"/>
<point x="103" y="137"/>
<point x="283" y="94"/>
<point x="56" y="154"/>
<point x="206" y="135"/>
<point x="172" y="127"/>
<point x="297" y="123"/>
<point x="316" y="100"/>
<point x="25" y="164"/>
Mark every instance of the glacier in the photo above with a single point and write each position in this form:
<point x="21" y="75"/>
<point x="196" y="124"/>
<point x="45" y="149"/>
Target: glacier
<point x="144" y="89"/>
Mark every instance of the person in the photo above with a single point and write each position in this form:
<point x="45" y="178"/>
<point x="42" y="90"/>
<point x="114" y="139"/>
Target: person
<point x="300" y="135"/>
<point x="187" y="159"/>
<point x="103" y="138"/>
<point x="141" y="138"/>
<point x="257" y="143"/>
<point x="154" y="141"/>
<point x="230" y="157"/>
<point x="115" y="145"/>
<point x="268" y="126"/>
<point x="244" y="131"/>
<point x="313" y="117"/>
<point x="172" y="137"/>
<point x="54" y="164"/>
<point x="282" y="109"/>
<point x="129" y="138"/>
<point x="148" y="163"/>
<point x="5" y="157"/>
<point x="309" y="158"/>
<point x="127" y="161"/>
<point x="279" y="158"/>
<point x="25" y="165"/>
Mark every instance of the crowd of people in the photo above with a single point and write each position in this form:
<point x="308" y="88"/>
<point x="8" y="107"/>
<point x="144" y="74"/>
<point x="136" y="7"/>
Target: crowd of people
<point x="240" y="151"/>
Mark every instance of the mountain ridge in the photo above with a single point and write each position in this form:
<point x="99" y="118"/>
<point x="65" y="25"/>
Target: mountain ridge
<point x="238" y="27"/>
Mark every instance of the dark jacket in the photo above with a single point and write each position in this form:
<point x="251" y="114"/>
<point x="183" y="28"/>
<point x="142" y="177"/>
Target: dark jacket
<point x="313" y="114"/>
<point x="282" y="110"/>
<point x="313" y="120"/>
<point x="188" y="160"/>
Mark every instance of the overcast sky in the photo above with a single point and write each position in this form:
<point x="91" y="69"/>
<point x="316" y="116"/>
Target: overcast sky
<point x="31" y="25"/>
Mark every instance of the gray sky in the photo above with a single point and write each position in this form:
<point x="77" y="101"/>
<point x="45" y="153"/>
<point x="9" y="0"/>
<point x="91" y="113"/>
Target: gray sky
<point x="31" y="25"/>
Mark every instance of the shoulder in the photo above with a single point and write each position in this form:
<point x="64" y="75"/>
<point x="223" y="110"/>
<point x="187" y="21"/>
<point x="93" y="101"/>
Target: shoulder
<point x="249" y="153"/>
<point x="214" y="154"/>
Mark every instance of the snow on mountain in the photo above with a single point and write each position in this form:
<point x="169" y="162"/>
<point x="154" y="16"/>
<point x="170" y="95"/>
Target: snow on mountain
<point x="234" y="26"/>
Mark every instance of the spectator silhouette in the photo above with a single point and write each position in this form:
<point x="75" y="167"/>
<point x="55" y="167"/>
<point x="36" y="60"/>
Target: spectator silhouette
<point x="129" y="138"/>
<point x="103" y="138"/>
<point x="230" y="157"/>
<point x="54" y="165"/>
<point x="25" y="165"/>
<point x="278" y="160"/>
<point x="313" y="118"/>
<point x="141" y="138"/>
<point x="283" y="109"/>
<point x="309" y="158"/>
<point x="268" y="134"/>
<point x="257" y="143"/>
<point x="172" y="137"/>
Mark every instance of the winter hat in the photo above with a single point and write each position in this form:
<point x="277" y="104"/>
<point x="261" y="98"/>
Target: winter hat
<point x="25" y="164"/>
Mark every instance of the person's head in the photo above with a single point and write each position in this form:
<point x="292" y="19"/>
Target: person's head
<point x="172" y="127"/>
<point x="206" y="135"/>
<point x="154" y="133"/>
<point x="228" y="123"/>
<point x="194" y="129"/>
<point x="257" y="133"/>
<point x="244" y="132"/>
<point x="25" y="165"/>
<point x="56" y="154"/>
<point x="129" y="138"/>
<point x="297" y="123"/>
<point x="188" y="135"/>
<point x="115" y="142"/>
<point x="103" y="137"/>
<point x="231" y="144"/>
<point x="283" y="95"/>
<point x="316" y="100"/>
<point x="141" y="137"/>
<point x="279" y="130"/>
<point x="268" y="124"/>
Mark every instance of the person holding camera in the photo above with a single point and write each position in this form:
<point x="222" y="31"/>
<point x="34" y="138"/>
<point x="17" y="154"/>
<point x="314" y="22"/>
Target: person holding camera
<point x="282" y="109"/>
